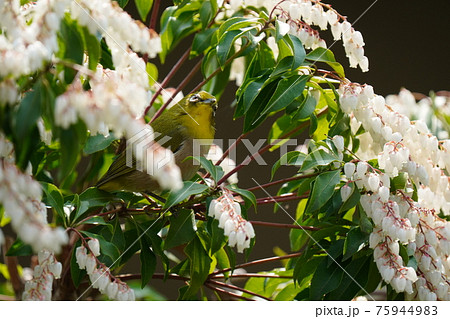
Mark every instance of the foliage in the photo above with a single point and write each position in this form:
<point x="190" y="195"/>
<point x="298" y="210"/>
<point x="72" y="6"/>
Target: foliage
<point x="64" y="119"/>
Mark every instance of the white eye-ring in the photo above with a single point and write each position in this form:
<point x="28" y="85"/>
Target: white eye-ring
<point x="194" y="98"/>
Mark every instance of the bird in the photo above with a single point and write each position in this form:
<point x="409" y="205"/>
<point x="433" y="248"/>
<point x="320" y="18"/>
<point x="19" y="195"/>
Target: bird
<point x="189" y="120"/>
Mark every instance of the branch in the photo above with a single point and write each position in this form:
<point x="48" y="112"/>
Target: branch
<point x="257" y="262"/>
<point x="227" y="292"/>
<point x="278" y="225"/>
<point x="164" y="83"/>
<point x="154" y="16"/>
<point x="282" y="181"/>
<point x="218" y="283"/>
<point x="280" y="198"/>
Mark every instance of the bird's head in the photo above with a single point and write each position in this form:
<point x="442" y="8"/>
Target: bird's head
<point x="197" y="112"/>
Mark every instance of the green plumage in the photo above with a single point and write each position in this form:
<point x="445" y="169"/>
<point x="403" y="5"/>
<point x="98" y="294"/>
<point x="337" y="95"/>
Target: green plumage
<point x="176" y="128"/>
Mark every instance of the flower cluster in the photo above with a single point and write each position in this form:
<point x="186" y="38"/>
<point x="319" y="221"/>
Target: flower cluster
<point x="407" y="151"/>
<point x="120" y="30"/>
<point x="300" y="17"/>
<point x="99" y="275"/>
<point x="423" y="108"/>
<point x="30" y="36"/>
<point x="228" y="213"/>
<point x="20" y="196"/>
<point x="40" y="287"/>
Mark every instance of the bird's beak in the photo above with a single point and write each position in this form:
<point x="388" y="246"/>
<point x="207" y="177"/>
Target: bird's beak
<point x="213" y="103"/>
<point x="209" y="101"/>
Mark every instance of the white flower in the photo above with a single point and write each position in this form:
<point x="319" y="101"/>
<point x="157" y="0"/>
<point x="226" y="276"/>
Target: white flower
<point x="94" y="246"/>
<point x="346" y="191"/>
<point x="228" y="212"/>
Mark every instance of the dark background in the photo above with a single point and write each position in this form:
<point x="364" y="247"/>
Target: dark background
<point x="407" y="44"/>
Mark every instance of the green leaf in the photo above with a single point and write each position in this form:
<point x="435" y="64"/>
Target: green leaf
<point x="181" y="230"/>
<point x="148" y="262"/>
<point x="216" y="172"/>
<point x="71" y="140"/>
<point x="355" y="271"/>
<point x="318" y="157"/>
<point x="189" y="188"/>
<point x="73" y="47"/>
<point x="143" y="7"/>
<point x="325" y="55"/>
<point x="290" y="158"/>
<point x="54" y="198"/>
<point x="298" y="50"/>
<point x="25" y="128"/>
<point x="325" y="279"/>
<point x="122" y="3"/>
<point x="98" y="220"/>
<point x="19" y="248"/>
<point x="355" y="238"/>
<point x="29" y="111"/>
<point x="92" y="46"/>
<point x="202" y="41"/>
<point x="225" y="45"/>
<point x="207" y="12"/>
<point x="288" y="89"/>
<point x="236" y="23"/>
<point x="322" y="190"/>
<point x="152" y="72"/>
<point x="90" y="199"/>
<point x="248" y="195"/>
<point x="199" y="266"/>
<point x="98" y="143"/>
<point x="306" y="108"/>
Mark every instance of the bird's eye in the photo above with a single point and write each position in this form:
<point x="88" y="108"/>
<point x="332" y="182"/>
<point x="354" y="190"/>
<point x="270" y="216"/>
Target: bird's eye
<point x="194" y="98"/>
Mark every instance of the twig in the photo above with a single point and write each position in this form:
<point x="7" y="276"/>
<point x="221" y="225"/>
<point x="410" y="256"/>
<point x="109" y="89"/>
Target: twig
<point x="278" y="225"/>
<point x="154" y="16"/>
<point x="225" y="285"/>
<point x="164" y="83"/>
<point x="257" y="262"/>
<point x="252" y="276"/>
<point x="282" y="181"/>
<point x="227" y="292"/>
<point x="279" y="199"/>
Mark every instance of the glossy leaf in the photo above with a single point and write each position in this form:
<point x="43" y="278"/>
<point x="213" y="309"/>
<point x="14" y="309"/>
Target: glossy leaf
<point x="143" y="7"/>
<point x="199" y="266"/>
<point x="189" y="188"/>
<point x="97" y="143"/>
<point x="181" y="230"/>
<point x="322" y="190"/>
<point x="325" y="279"/>
<point x="54" y="198"/>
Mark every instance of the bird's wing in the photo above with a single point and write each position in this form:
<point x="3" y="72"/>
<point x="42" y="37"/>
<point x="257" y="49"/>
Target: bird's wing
<point x="119" y="168"/>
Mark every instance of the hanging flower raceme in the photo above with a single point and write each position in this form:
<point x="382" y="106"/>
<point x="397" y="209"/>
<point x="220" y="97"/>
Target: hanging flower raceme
<point x="299" y="17"/>
<point x="21" y="196"/>
<point x="228" y="212"/>
<point x="404" y="150"/>
<point x="40" y="287"/>
<point x="99" y="275"/>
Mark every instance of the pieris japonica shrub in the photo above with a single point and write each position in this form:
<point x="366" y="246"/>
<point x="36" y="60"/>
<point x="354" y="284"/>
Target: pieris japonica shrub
<point x="78" y="79"/>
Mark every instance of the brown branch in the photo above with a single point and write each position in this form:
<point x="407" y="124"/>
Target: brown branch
<point x="257" y="262"/>
<point x="229" y="286"/>
<point x="164" y="83"/>
<point x="282" y="181"/>
<point x="252" y="276"/>
<point x="278" y="225"/>
<point x="227" y="292"/>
